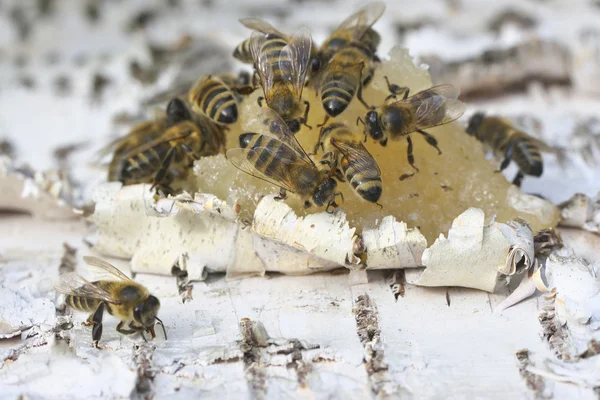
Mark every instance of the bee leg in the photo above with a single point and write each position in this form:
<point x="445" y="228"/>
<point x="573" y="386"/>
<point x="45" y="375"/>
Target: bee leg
<point x="507" y="157"/>
<point x="383" y="143"/>
<point x="259" y="100"/>
<point x="395" y="90"/>
<point x="359" y="95"/>
<point x="123" y="330"/>
<point x="518" y="179"/>
<point x="409" y="153"/>
<point x="305" y="117"/>
<point x="164" y="167"/>
<point x="97" y="328"/>
<point x="324" y="121"/>
<point x="430" y="139"/>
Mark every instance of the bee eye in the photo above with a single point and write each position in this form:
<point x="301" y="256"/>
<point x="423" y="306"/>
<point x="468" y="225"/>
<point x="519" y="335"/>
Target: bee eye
<point x="315" y="65"/>
<point x="294" y="126"/>
<point x="137" y="313"/>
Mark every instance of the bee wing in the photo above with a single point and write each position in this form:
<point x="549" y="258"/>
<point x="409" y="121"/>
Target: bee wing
<point x="279" y="176"/>
<point x="105" y="269"/>
<point x="260" y="25"/>
<point x="174" y="133"/>
<point x="429" y="102"/>
<point x="359" y="22"/>
<point x="74" y="284"/>
<point x="362" y="161"/>
<point x="261" y="62"/>
<point x="278" y="129"/>
<point x="294" y="59"/>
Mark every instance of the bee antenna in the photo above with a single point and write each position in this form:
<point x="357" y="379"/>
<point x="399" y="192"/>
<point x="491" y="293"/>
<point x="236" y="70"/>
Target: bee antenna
<point x="162" y="326"/>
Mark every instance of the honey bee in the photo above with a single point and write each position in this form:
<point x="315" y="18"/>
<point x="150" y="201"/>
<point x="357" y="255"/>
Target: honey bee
<point x="243" y="52"/>
<point x="277" y="157"/>
<point x="347" y="60"/>
<point x="500" y="136"/>
<point x="184" y="141"/>
<point x="281" y="66"/>
<point x="117" y="294"/>
<point x="343" y="150"/>
<point x="212" y="97"/>
<point x="399" y="118"/>
<point x="355" y="28"/>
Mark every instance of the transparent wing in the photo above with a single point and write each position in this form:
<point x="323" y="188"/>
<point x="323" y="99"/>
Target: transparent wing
<point x="76" y="285"/>
<point x="279" y="176"/>
<point x="261" y="62"/>
<point x="178" y="133"/>
<point x="278" y="129"/>
<point x="294" y="60"/>
<point x="359" y="22"/>
<point x="260" y="25"/>
<point x="361" y="160"/>
<point x="437" y="106"/>
<point x="105" y="269"/>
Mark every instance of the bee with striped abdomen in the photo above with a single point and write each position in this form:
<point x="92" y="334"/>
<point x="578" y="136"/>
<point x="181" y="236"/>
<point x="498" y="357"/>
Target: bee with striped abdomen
<point x="281" y="66"/>
<point x="117" y="294"/>
<point x="243" y="51"/>
<point x="500" y="136"/>
<point x="276" y="157"/>
<point x="396" y="119"/>
<point x="184" y="141"/>
<point x="212" y="97"/>
<point x="343" y="149"/>
<point x="347" y="60"/>
<point x="355" y="28"/>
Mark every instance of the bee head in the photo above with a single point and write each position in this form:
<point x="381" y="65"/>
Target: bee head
<point x="373" y="126"/>
<point x="294" y="125"/>
<point x="145" y="313"/>
<point x="177" y="112"/>
<point x="315" y="65"/>
<point x="325" y="192"/>
<point x="246" y="139"/>
<point x="475" y="122"/>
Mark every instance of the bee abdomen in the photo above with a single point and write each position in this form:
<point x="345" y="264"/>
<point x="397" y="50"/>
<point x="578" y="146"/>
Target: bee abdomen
<point x="527" y="156"/>
<point x="217" y="102"/>
<point x="336" y="94"/>
<point x="145" y="162"/>
<point x="243" y="53"/>
<point x="81" y="303"/>
<point x="367" y="185"/>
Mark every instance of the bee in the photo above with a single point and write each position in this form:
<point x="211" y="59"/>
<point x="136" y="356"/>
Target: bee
<point x="499" y="135"/>
<point x="184" y="141"/>
<point x="243" y="52"/>
<point x="278" y="158"/>
<point x="346" y="60"/>
<point x="343" y="150"/>
<point x="281" y="66"/>
<point x="117" y="294"/>
<point x="355" y="28"/>
<point x="140" y="134"/>
<point x="399" y="118"/>
<point x="212" y="97"/>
